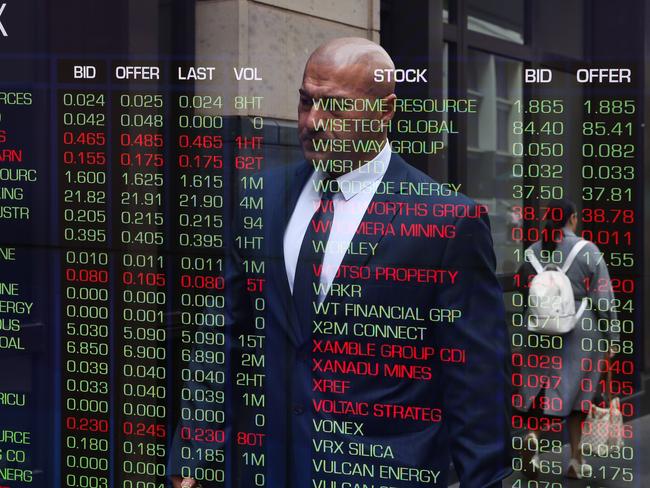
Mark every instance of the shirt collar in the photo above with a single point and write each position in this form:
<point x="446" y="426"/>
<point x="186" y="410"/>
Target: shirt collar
<point x="567" y="231"/>
<point x="355" y="181"/>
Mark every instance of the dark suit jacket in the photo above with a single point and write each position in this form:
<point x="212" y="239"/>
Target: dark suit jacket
<point x="409" y="415"/>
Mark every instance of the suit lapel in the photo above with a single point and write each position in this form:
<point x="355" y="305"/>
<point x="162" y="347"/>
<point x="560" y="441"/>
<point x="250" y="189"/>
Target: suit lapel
<point x="282" y="209"/>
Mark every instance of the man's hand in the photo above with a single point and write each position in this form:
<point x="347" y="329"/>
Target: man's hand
<point x="179" y="482"/>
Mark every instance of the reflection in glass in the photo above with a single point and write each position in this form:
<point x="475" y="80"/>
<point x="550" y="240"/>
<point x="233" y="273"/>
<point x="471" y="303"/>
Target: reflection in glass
<point x="496" y="84"/>
<point x="561" y="27"/>
<point x="503" y="19"/>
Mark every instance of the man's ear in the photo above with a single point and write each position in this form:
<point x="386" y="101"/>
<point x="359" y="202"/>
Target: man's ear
<point x="389" y="113"/>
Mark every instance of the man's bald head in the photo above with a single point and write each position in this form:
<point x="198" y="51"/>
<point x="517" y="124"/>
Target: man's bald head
<point x="359" y="55"/>
<point x="343" y="69"/>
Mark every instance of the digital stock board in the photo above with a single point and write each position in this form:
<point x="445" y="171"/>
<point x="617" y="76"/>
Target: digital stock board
<point x="323" y="244"/>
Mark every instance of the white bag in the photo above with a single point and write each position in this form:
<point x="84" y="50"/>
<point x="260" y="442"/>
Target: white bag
<point x="603" y="429"/>
<point x="551" y="304"/>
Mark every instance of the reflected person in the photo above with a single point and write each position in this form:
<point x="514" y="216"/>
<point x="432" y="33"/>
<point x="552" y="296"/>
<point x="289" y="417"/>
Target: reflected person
<point x="346" y="267"/>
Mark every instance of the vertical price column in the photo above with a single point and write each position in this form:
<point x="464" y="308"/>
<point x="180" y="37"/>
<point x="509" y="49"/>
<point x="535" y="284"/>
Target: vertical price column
<point x="141" y="280"/>
<point x="199" y="284"/>
<point x="609" y="174"/>
<point x="541" y="163"/>
<point x="83" y="186"/>
<point x="249" y="355"/>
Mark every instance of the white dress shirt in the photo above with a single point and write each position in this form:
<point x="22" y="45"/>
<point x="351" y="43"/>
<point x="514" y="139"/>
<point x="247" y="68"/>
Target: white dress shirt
<point x="350" y="204"/>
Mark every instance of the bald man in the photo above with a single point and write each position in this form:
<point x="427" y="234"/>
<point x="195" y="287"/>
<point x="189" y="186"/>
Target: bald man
<point x="385" y="345"/>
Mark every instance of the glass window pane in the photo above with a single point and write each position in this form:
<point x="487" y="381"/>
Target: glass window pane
<point x="503" y="127"/>
<point x="560" y="27"/>
<point x="564" y="87"/>
<point x="498" y="18"/>
<point x="496" y="84"/>
<point x="502" y="77"/>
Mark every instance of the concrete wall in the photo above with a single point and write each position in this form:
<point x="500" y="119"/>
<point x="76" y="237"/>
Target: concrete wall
<point x="276" y="37"/>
